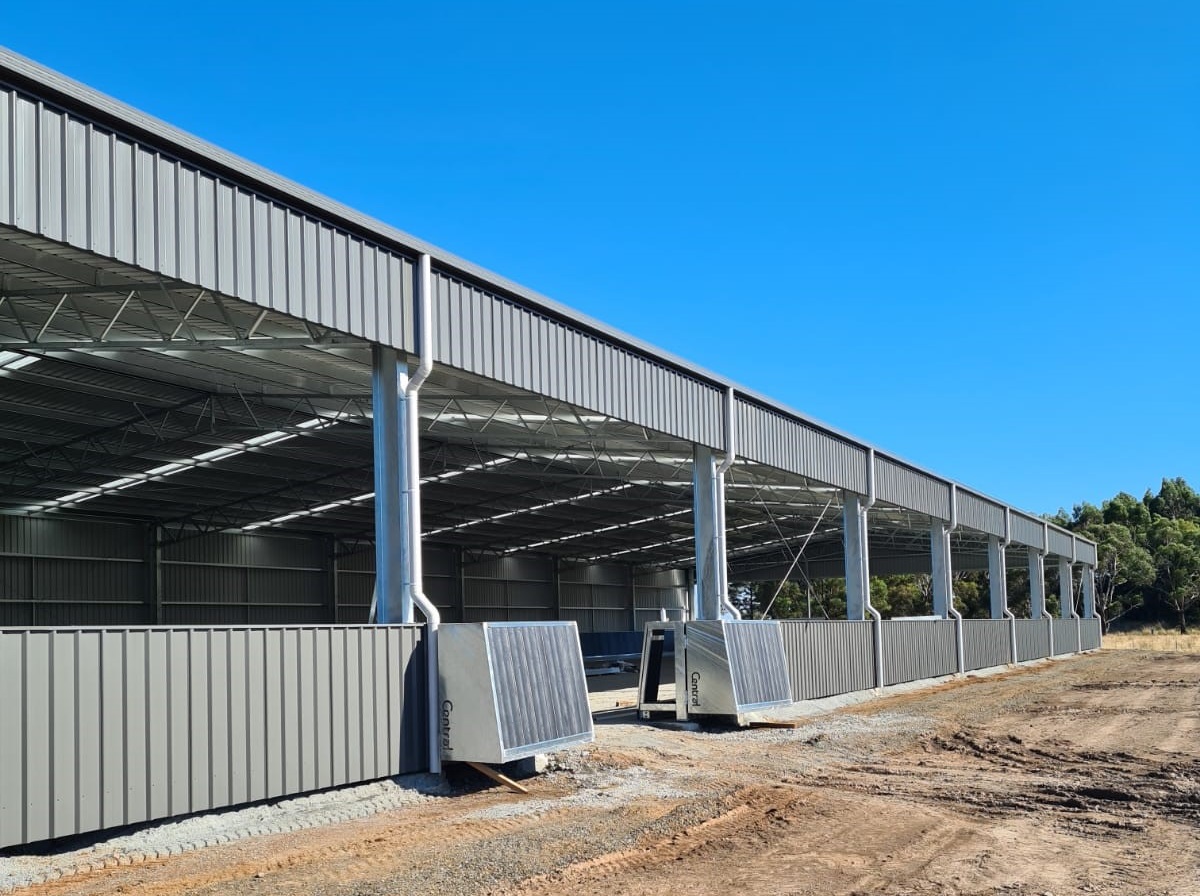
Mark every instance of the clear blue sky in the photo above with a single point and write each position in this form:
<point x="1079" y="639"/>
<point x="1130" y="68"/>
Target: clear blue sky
<point x="967" y="232"/>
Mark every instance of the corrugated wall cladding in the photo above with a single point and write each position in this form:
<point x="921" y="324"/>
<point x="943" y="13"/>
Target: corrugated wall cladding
<point x="1066" y="636"/>
<point x="772" y="438"/>
<point x="486" y="334"/>
<point x="654" y="589"/>
<point x="1089" y="630"/>
<point x="1033" y="639"/>
<point x="913" y="650"/>
<point x="980" y="514"/>
<point x="826" y="658"/>
<point x="986" y="643"/>
<point x="81" y="184"/>
<point x="225" y="579"/>
<point x="1027" y="530"/>
<point x="1060" y="542"/>
<point x="104" y="728"/>
<point x="1085" y="552"/>
<point x="71" y="572"/>
<point x="509" y="589"/>
<point x="599" y="597"/>
<point x="906" y="487"/>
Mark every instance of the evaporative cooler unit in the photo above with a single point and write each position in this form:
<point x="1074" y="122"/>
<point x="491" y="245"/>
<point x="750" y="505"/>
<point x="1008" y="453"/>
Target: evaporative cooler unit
<point x="510" y="690"/>
<point x="722" y="668"/>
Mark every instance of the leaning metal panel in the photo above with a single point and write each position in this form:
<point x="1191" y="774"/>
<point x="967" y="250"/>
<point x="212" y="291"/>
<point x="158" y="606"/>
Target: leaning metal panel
<point x="734" y="668"/>
<point x="511" y="690"/>
<point x="104" y="728"/>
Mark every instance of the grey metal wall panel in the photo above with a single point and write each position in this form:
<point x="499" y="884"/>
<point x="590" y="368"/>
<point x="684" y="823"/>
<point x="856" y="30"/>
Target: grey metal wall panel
<point x="1060" y="542"/>
<point x="1033" y="639"/>
<point x="110" y="727"/>
<point x="150" y="209"/>
<point x="1027" y="530"/>
<point x="1089" y="630"/>
<point x="986" y="643"/>
<point x="533" y="351"/>
<point x="1085" y="552"/>
<point x="918" y="649"/>
<point x="828" y="657"/>
<point x="771" y="437"/>
<point x="976" y="512"/>
<point x="1066" y="636"/>
<point x="658" y="589"/>
<point x="906" y="487"/>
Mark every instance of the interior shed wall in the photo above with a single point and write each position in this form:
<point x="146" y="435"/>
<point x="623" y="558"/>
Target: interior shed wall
<point x="65" y="572"/>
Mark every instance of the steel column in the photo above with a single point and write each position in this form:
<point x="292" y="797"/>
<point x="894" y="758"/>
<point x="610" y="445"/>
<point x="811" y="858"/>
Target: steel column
<point x="1087" y="578"/>
<point x="997" y="577"/>
<point x="710" y="560"/>
<point x="942" y="574"/>
<point x="854" y="543"/>
<point x="388" y="379"/>
<point x="1037" y="584"/>
<point x="1066" y="588"/>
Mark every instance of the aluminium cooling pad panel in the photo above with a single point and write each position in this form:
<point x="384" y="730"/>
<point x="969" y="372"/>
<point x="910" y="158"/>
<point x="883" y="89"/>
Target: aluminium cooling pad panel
<point x="511" y="690"/>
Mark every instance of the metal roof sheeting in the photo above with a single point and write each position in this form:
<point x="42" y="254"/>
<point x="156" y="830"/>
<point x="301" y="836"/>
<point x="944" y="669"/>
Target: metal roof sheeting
<point x="82" y="169"/>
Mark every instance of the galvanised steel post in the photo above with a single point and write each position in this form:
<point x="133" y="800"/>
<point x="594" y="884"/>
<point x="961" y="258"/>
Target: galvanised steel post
<point x="389" y="473"/>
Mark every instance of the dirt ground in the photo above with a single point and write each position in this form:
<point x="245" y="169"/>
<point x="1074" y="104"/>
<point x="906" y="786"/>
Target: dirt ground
<point x="1077" y="776"/>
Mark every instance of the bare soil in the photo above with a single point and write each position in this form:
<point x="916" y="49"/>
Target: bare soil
<point x="1077" y="776"/>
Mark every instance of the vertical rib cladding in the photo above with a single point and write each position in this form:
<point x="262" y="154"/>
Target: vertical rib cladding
<point x="913" y="650"/>
<point x="828" y="657"/>
<point x="772" y="438"/>
<point x="598" y="597"/>
<point x="1033" y="639"/>
<point x="1066" y="636"/>
<point x="1085" y="552"/>
<point x="757" y="663"/>
<point x="906" y="487"/>
<point x="1089" y="630"/>
<point x="68" y="572"/>
<point x="494" y="337"/>
<point x="538" y="681"/>
<point x="81" y="184"/>
<point x="1060" y="542"/>
<point x="104" y="728"/>
<point x="985" y="643"/>
<point x="1027" y="530"/>
<point x="980" y="514"/>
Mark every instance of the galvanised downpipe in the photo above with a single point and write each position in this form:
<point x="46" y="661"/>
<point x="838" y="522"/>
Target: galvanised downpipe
<point x="433" y="618"/>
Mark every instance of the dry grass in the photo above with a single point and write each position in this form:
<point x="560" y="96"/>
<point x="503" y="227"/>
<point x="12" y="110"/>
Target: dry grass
<point x="1155" y="639"/>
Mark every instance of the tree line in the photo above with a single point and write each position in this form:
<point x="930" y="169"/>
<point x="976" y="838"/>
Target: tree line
<point x="1147" y="571"/>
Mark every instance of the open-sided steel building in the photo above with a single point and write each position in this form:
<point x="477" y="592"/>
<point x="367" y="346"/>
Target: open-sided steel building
<point x="204" y="424"/>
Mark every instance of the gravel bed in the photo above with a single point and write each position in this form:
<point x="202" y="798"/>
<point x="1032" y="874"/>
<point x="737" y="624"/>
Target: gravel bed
<point x="168" y="838"/>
